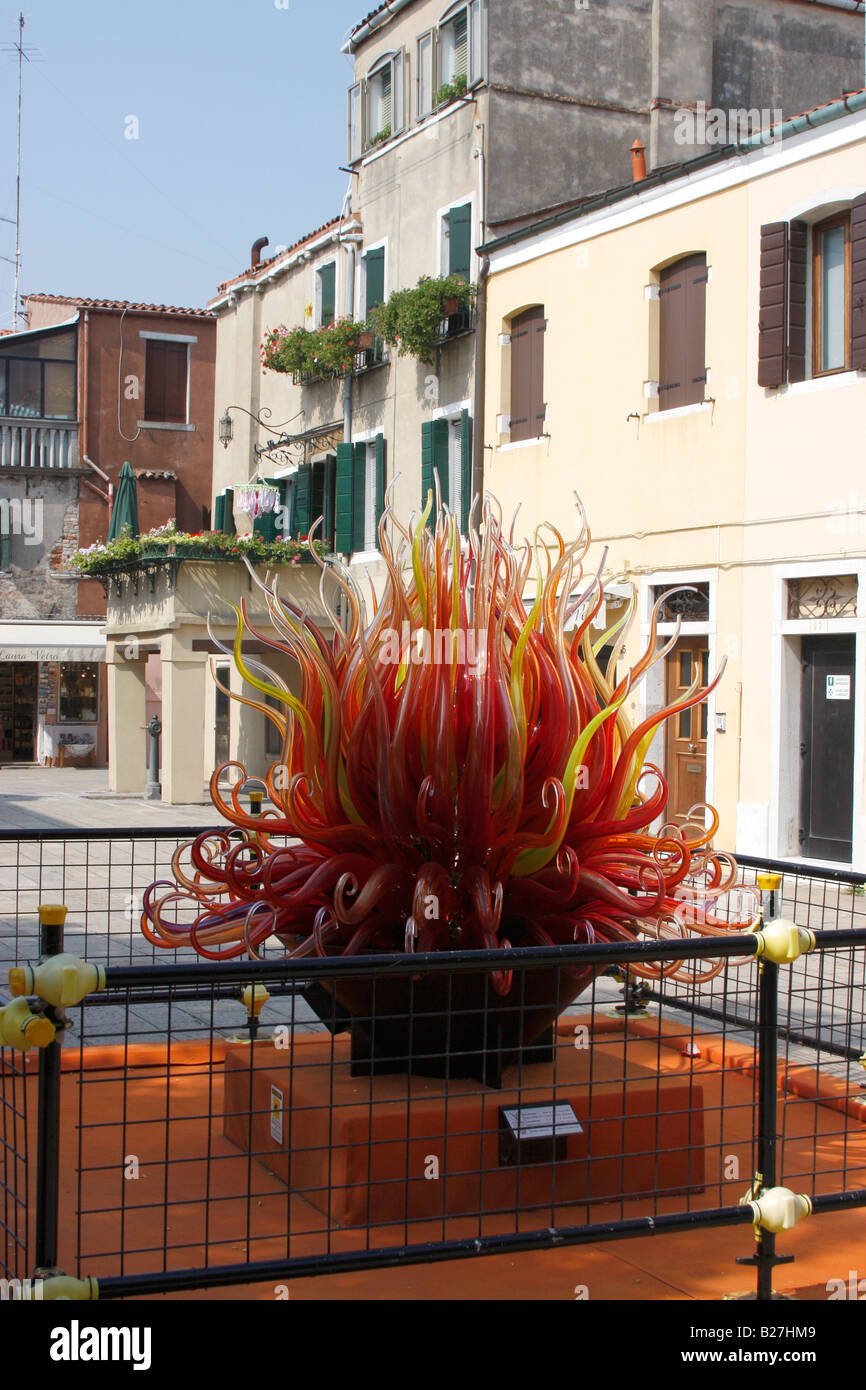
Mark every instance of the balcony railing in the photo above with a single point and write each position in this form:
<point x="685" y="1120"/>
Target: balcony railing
<point x="455" y="325"/>
<point x="365" y="359"/>
<point x="38" y="444"/>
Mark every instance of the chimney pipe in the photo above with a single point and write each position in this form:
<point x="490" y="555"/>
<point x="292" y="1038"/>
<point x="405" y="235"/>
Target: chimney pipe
<point x="638" y="162"/>
<point x="256" y="253"/>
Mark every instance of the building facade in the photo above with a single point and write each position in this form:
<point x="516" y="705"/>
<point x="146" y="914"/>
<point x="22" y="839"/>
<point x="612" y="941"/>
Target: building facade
<point x="698" y="375"/>
<point x="89" y="385"/>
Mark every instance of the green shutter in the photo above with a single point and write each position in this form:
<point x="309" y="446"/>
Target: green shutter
<point x="359" y="482"/>
<point x="380" y="479"/>
<point x="328" y="282"/>
<point x="229" y="520"/>
<point x="465" y="470"/>
<point x="328" y="500"/>
<point x="219" y="512"/>
<point x="266" y="524"/>
<point x="375" y="279"/>
<point x="345" y="472"/>
<point x="434" y="455"/>
<point x="460" y="241"/>
<point x="302" y="516"/>
<point x="317" y="493"/>
<point x="287" y="520"/>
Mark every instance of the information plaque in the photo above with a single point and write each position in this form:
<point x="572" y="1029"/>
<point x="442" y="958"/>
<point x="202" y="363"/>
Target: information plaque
<point x="535" y="1133"/>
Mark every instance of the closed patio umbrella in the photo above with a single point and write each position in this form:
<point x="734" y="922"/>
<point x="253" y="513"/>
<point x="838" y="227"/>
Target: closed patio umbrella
<point x="125" y="510"/>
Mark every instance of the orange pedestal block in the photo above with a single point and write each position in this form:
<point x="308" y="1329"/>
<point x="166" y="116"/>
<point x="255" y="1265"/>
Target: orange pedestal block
<point x="395" y="1148"/>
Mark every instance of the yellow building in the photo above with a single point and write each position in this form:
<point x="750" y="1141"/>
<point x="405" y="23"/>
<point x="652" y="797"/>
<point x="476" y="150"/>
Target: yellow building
<point x="688" y="353"/>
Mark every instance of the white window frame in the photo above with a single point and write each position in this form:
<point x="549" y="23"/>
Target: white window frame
<point x="443" y="256"/>
<point x="395" y="64"/>
<point x="370" y="551"/>
<point x="474" y="43"/>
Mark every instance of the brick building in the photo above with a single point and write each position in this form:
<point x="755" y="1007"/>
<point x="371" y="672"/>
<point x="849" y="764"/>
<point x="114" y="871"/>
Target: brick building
<point x="88" y="385"/>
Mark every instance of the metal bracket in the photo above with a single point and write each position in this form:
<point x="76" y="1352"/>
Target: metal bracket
<point x="782" y="942"/>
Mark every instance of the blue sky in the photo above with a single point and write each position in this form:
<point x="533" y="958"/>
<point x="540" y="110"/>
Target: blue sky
<point x="241" y="131"/>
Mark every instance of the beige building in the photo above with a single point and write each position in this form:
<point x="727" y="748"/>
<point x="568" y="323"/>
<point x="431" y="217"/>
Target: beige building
<point x="695" y="368"/>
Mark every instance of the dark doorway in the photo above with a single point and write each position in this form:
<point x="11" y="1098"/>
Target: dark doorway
<point x="827" y="748"/>
<point x="222" y="722"/>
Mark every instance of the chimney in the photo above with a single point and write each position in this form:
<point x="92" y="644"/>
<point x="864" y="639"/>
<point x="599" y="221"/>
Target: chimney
<point x="638" y="162"/>
<point x="256" y="253"/>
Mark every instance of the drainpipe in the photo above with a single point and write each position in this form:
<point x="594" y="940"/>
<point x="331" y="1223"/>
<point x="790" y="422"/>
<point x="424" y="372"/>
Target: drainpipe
<point x="480" y="327"/>
<point x="349" y="243"/>
<point x="108" y="495"/>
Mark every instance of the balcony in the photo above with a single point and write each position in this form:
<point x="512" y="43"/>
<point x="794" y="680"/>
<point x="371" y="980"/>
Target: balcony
<point x="362" y="361"/>
<point x="38" y="444"/>
<point x="456" y="325"/>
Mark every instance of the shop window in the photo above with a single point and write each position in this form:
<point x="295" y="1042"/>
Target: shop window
<point x="79" y="693"/>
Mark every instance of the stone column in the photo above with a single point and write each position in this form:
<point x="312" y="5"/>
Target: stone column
<point x="127" y="756"/>
<point x="183" y="725"/>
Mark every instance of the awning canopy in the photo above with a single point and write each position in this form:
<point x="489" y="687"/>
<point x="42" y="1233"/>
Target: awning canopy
<point x="52" y="642"/>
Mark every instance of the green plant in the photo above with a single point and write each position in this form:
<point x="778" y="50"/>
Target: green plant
<point x="451" y="90"/>
<point x="410" y="319"/>
<point x="318" y="352"/>
<point x="383" y="135"/>
<point x="203" y="545"/>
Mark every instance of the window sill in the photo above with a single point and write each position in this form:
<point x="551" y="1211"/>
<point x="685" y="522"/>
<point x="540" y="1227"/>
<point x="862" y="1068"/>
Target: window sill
<point x="833" y="381"/>
<point x="677" y="412"/>
<point x="165" y="425"/>
<point x="364" y="557"/>
<point x="522" y="443"/>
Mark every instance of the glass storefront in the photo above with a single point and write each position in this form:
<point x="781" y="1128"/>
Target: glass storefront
<point x="79" y="693"/>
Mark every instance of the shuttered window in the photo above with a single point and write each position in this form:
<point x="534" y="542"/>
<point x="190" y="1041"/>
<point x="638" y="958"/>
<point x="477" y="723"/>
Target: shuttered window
<point x="359" y="494"/>
<point x="446" y="450"/>
<point x="459" y="234"/>
<point x="682" y="332"/>
<point x="327" y="278"/>
<point x="527" y="374"/>
<point x="374" y="279"/>
<point x="837" y="294"/>
<point x="165" y="381"/>
<point x="356" y="122"/>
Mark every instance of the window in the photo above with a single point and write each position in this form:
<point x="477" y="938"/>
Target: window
<point x="682" y="332"/>
<point x="446" y="451"/>
<point x="326" y="295"/>
<point x="460" y="44"/>
<point x="360" y="494"/>
<point x="37" y="378"/>
<point x="309" y="495"/>
<point x="376" y="105"/>
<point x="424" y="78"/>
<point x="528" y="410"/>
<point x="831" y="295"/>
<point x="456" y="254"/>
<point x="374" y="278"/>
<point x="165" y="381"/>
<point x="834" y="296"/>
<point x="79" y="693"/>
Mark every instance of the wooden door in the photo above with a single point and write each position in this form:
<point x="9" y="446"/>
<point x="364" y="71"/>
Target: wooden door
<point x="686" y="732"/>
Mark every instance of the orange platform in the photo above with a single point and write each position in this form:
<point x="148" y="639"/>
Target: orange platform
<point x="196" y="1199"/>
<point x="398" y="1148"/>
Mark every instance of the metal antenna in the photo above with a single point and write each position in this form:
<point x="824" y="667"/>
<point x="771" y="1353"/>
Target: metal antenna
<point x="23" y="54"/>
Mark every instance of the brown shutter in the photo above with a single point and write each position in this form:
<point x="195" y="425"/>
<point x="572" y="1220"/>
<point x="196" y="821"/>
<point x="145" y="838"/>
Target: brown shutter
<point x="175" y="382"/>
<point x="858" y="283"/>
<point x="527" y="374"/>
<point x="682" y="332"/>
<point x="154" y="382"/>
<point x="798" y="234"/>
<point x="773" y="306"/>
